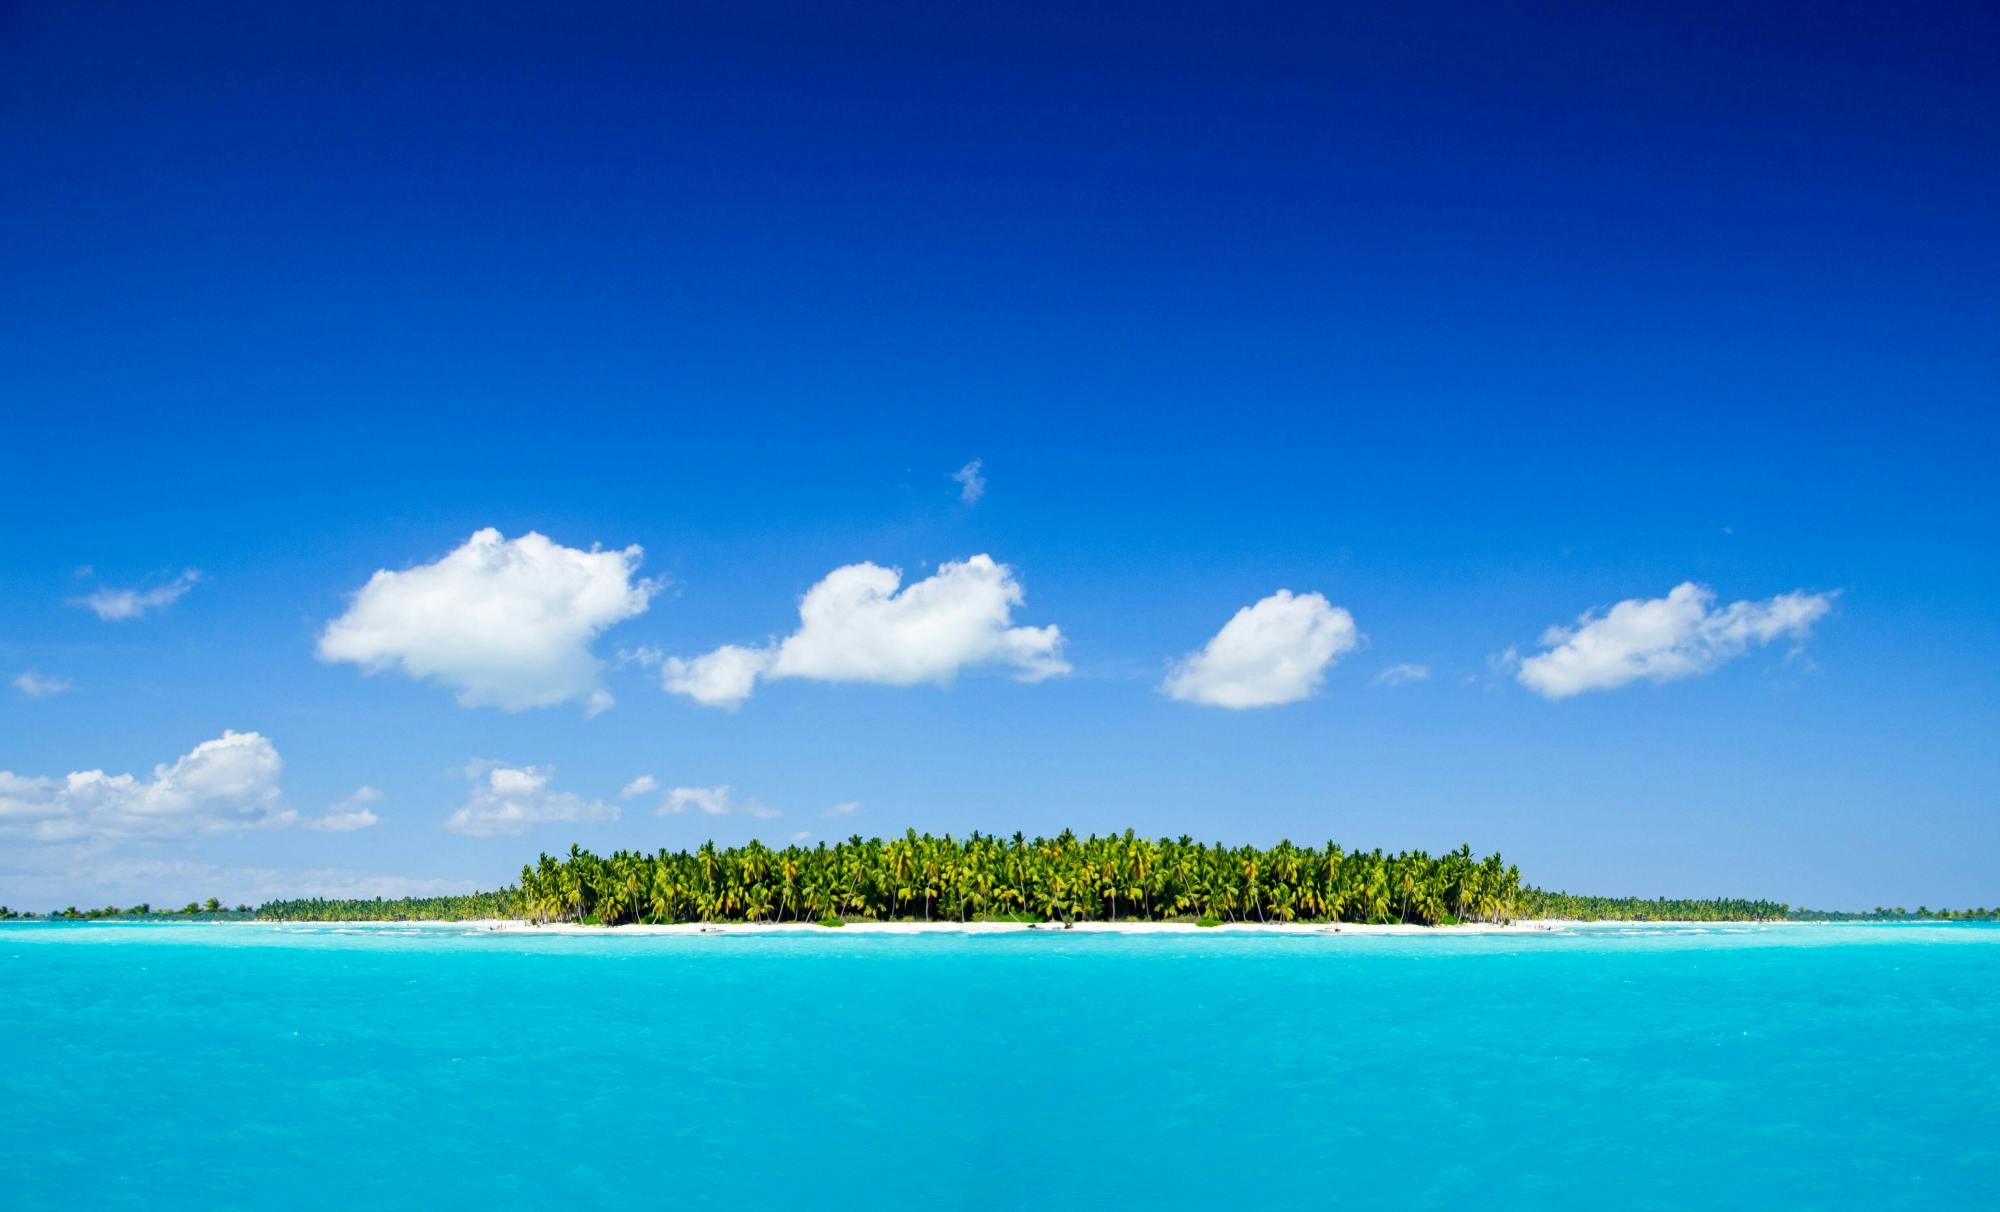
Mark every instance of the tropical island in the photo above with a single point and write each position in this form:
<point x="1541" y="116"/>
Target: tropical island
<point x="1064" y="880"/>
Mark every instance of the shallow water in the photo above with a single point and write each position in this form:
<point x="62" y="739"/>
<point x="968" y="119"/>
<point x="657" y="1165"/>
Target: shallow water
<point x="247" y="1066"/>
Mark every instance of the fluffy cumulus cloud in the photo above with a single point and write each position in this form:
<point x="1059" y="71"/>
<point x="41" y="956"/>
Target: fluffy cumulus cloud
<point x="510" y="800"/>
<point x="723" y="678"/>
<point x="1662" y="639"/>
<point x="712" y="801"/>
<point x="645" y="784"/>
<point x="229" y="783"/>
<point x="41" y="686"/>
<point x="118" y="605"/>
<point x="861" y="624"/>
<point x="857" y="626"/>
<point x="503" y="622"/>
<point x="1275" y="651"/>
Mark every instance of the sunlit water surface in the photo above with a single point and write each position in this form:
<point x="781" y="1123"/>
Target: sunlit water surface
<point x="226" y="1066"/>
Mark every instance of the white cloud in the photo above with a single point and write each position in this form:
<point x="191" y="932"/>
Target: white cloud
<point x="1662" y="639"/>
<point x="349" y="814"/>
<point x="1396" y="675"/>
<point x="117" y="605"/>
<point x="713" y="801"/>
<point x="41" y="686"/>
<point x="505" y="623"/>
<point x="857" y="625"/>
<point x="971" y="484"/>
<point x="801" y="836"/>
<point x="723" y="678"/>
<point x="844" y="808"/>
<point x="645" y="656"/>
<point x="510" y="800"/>
<point x="228" y="783"/>
<point x="1276" y="651"/>
<point x="642" y="785"/>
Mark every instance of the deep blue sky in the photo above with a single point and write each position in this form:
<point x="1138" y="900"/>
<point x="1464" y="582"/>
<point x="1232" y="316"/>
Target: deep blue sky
<point x="1472" y="320"/>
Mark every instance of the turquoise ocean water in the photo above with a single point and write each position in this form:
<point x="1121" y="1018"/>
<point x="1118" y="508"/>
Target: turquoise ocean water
<point x="299" y="1067"/>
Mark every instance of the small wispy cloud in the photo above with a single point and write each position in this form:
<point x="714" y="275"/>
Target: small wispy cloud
<point x="971" y="484"/>
<point x="118" y="605"/>
<point x="640" y="786"/>
<point x="1396" y="675"/>
<point x="41" y="686"/>
<point x="349" y="813"/>
<point x="713" y="801"/>
<point x="510" y="800"/>
<point x="645" y="656"/>
<point x="844" y="808"/>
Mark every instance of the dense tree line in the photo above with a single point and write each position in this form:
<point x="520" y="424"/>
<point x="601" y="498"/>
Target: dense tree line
<point x="505" y="903"/>
<point x="1528" y="903"/>
<point x="918" y="877"/>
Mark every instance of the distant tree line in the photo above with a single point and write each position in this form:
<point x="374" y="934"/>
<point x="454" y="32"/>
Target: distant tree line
<point x="505" y="903"/>
<point x="1535" y="903"/>
<point x="1882" y="914"/>
<point x="211" y="907"/>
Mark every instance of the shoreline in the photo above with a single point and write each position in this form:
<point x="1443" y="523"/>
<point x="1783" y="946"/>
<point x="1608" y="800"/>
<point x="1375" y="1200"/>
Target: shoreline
<point x="1528" y="927"/>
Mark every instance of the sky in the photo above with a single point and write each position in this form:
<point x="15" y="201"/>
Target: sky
<point x="434" y="435"/>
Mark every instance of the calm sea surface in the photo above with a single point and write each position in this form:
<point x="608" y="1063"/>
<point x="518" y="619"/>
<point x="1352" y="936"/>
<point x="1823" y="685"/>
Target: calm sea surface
<point x="292" y="1067"/>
